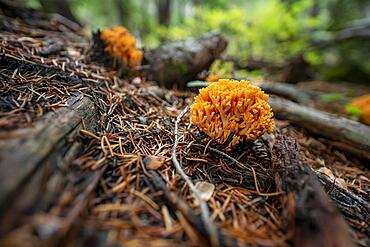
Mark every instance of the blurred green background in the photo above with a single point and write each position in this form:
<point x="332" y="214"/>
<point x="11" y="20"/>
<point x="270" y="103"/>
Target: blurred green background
<point x="323" y="39"/>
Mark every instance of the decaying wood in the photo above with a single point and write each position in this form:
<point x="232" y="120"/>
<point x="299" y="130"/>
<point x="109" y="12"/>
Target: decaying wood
<point x="353" y="207"/>
<point x="347" y="135"/>
<point x="288" y="91"/>
<point x="252" y="64"/>
<point x="174" y="64"/>
<point x="62" y="222"/>
<point x="316" y="221"/>
<point x="23" y="151"/>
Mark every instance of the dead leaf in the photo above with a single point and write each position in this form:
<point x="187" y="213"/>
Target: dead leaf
<point x="327" y="172"/>
<point x="153" y="162"/>
<point x="330" y="174"/>
<point x="342" y="182"/>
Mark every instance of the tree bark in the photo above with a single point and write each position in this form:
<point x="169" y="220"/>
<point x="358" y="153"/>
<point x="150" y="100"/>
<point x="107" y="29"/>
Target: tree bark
<point x="164" y="12"/>
<point x="61" y="7"/>
<point x="174" y="64"/>
<point x="198" y="2"/>
<point x="316" y="221"/>
<point x="123" y="12"/>
<point x="297" y="70"/>
<point x="288" y="91"/>
<point x="26" y="150"/>
<point x="359" y="210"/>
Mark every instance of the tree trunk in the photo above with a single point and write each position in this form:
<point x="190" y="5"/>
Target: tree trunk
<point x="198" y="2"/>
<point x="174" y="64"/>
<point x="35" y="145"/>
<point x="164" y="12"/>
<point x="123" y="7"/>
<point x="316" y="221"/>
<point x="288" y="91"/>
<point x="61" y="7"/>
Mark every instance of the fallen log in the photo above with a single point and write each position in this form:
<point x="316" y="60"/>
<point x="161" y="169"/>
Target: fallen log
<point x="316" y="221"/>
<point x="346" y="134"/>
<point x="174" y="64"/>
<point x="252" y="64"/>
<point x="288" y="91"/>
<point x="357" y="29"/>
<point x="25" y="153"/>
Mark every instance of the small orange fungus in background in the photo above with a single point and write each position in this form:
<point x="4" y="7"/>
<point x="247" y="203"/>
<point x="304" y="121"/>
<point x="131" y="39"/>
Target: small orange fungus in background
<point x="230" y="106"/>
<point x="121" y="44"/>
<point x="363" y="103"/>
<point x="212" y="78"/>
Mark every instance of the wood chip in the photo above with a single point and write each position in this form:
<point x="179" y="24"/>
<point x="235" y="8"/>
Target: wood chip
<point x="153" y="162"/>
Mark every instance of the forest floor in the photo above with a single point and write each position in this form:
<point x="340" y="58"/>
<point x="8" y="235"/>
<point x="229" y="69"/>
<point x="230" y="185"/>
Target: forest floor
<point x="87" y="159"/>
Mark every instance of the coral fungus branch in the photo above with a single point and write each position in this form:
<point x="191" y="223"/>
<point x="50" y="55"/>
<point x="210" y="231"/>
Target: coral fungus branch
<point x="121" y="44"/>
<point x="230" y="106"/>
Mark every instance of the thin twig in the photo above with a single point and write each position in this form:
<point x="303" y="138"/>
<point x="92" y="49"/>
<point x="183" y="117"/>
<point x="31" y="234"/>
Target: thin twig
<point x="237" y="162"/>
<point x="204" y="211"/>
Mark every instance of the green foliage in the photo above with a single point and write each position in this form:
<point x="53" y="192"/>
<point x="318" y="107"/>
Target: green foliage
<point x="137" y="17"/>
<point x="348" y="61"/>
<point x="353" y="111"/>
<point x="331" y="97"/>
<point x="277" y="32"/>
<point x="270" y="30"/>
<point x="251" y="75"/>
<point x="30" y="3"/>
<point x="274" y="31"/>
<point x="222" y="69"/>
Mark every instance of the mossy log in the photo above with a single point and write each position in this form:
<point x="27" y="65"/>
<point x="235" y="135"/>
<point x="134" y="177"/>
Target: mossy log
<point x="173" y="64"/>
<point x="24" y="152"/>
<point x="345" y="134"/>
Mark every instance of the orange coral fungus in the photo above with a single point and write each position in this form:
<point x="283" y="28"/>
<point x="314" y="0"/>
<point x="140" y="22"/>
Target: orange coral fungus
<point x="363" y="103"/>
<point x="212" y="78"/>
<point x="121" y="44"/>
<point x="231" y="107"/>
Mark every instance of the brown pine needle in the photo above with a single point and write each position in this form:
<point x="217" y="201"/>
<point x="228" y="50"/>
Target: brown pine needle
<point x="204" y="211"/>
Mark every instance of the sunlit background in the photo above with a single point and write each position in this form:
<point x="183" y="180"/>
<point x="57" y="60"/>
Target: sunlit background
<point x="332" y="36"/>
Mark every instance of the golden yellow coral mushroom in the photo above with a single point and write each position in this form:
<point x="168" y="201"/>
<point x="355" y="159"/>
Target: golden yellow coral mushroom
<point x="230" y="106"/>
<point x="363" y="103"/>
<point x="121" y="44"/>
